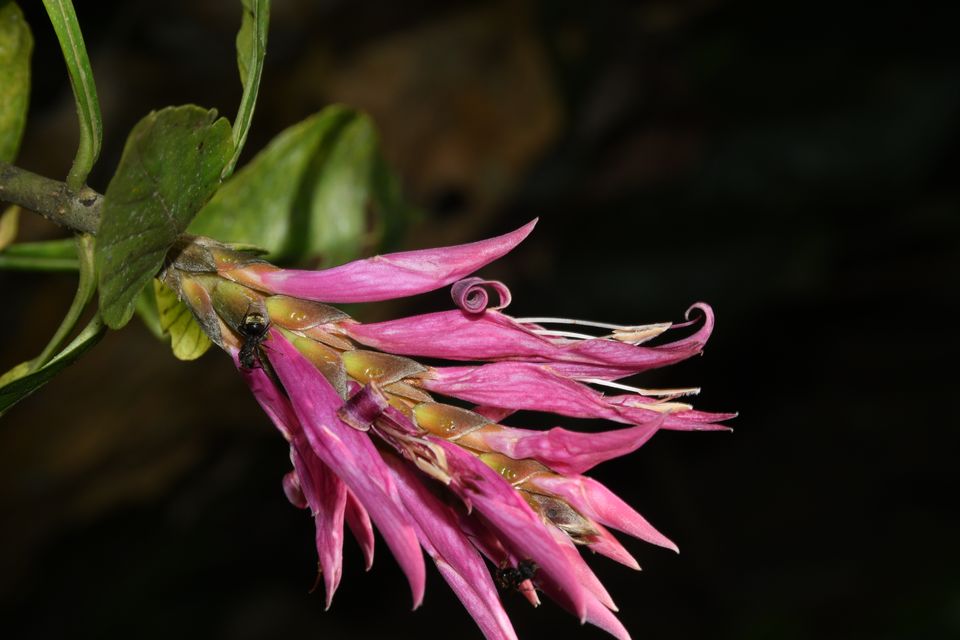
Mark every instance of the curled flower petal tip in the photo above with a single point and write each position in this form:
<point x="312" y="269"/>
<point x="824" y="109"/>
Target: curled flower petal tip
<point x="379" y="439"/>
<point x="470" y="295"/>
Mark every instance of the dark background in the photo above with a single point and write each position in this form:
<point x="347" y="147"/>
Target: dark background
<point x="792" y="163"/>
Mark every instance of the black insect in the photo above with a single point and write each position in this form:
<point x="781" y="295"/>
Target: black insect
<point x="253" y="330"/>
<point x="513" y="577"/>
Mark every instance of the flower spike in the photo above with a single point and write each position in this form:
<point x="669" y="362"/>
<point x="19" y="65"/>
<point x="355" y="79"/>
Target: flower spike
<point x="374" y="439"/>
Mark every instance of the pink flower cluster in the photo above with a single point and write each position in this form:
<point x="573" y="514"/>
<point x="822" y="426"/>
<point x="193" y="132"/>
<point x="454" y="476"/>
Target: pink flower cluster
<point x="372" y="445"/>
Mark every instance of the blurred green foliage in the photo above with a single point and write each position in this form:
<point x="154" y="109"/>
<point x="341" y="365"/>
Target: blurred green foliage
<point x="307" y="197"/>
<point x="16" y="45"/>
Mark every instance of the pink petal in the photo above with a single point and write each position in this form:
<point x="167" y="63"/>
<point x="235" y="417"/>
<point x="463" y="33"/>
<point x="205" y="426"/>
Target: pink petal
<point x="567" y="451"/>
<point x="311" y="483"/>
<point x="596" y="614"/>
<point x="535" y="387"/>
<point x="520" y="385"/>
<point x="349" y="453"/>
<point x="606" y="545"/>
<point x="484" y="539"/>
<point x="394" y="275"/>
<point x="602" y="618"/>
<point x="515" y="522"/>
<point x="291" y="488"/>
<point x="489" y="545"/>
<point x="270" y="398"/>
<point x="480" y="609"/>
<point x="327" y="497"/>
<point x="457" y="335"/>
<point x="635" y="407"/>
<point x="362" y="406"/>
<point x="596" y="502"/>
<point x="493" y="414"/>
<point x="455" y="557"/>
<point x="315" y="484"/>
<point x="359" y="523"/>
<point x="585" y="575"/>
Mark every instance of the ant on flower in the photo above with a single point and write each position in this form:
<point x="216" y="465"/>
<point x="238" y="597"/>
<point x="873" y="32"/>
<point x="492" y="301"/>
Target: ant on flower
<point x="253" y="330"/>
<point x="514" y="577"/>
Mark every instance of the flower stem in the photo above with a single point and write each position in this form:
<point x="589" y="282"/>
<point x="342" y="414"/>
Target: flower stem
<point x="78" y="210"/>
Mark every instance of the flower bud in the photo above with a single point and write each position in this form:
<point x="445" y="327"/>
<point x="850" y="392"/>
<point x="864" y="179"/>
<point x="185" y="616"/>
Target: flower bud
<point x="231" y="301"/>
<point x="515" y="472"/>
<point x="382" y="368"/>
<point x="298" y="315"/>
<point x="447" y="421"/>
<point x="325" y="359"/>
<point x="561" y="514"/>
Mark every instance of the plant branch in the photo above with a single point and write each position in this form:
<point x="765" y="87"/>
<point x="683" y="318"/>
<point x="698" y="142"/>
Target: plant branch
<point x="54" y="200"/>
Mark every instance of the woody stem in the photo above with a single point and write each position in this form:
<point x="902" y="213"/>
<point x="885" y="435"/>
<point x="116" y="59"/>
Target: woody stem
<point x="54" y="200"/>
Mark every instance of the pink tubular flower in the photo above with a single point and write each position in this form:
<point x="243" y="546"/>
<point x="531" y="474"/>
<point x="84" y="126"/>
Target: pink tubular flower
<point x="370" y="444"/>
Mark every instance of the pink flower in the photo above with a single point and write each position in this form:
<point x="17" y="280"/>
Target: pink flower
<point x="370" y="444"/>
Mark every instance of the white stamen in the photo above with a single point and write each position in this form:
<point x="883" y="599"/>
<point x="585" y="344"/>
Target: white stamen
<point x="564" y="334"/>
<point x="639" y="335"/>
<point x="656" y="393"/>
<point x="664" y="407"/>
<point x="591" y="323"/>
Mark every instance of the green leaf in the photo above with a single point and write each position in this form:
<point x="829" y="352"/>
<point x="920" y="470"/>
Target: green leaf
<point x="16" y="44"/>
<point x="22" y="263"/>
<point x="50" y="255"/>
<point x="169" y="168"/>
<point x="251" y="49"/>
<point x="342" y="193"/>
<point x="64" y="248"/>
<point x="264" y="202"/>
<point x="309" y="193"/>
<point x="64" y="20"/>
<point x="187" y="339"/>
<point x="17" y="384"/>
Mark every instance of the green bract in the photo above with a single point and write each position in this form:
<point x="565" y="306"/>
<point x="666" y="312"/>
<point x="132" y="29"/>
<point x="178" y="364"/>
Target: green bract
<point x="187" y="339"/>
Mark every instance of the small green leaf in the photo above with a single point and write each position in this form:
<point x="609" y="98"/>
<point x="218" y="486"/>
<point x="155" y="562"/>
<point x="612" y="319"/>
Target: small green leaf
<point x="251" y="49"/>
<point x="17" y="383"/>
<point x="16" y="44"/>
<point x="310" y="193"/>
<point x="187" y="339"/>
<point x="169" y="168"/>
<point x="64" y="20"/>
